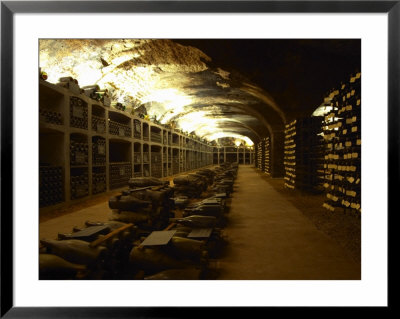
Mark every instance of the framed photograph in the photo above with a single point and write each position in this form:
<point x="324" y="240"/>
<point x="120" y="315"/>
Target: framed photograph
<point x="29" y="28"/>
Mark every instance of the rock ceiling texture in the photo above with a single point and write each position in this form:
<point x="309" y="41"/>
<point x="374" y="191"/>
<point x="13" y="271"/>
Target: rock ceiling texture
<point x="243" y="89"/>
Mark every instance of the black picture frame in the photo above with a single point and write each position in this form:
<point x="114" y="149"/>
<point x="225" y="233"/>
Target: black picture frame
<point x="9" y="8"/>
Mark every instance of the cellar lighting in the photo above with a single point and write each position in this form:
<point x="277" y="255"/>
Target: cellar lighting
<point x="156" y="74"/>
<point x="322" y="110"/>
<point x="222" y="134"/>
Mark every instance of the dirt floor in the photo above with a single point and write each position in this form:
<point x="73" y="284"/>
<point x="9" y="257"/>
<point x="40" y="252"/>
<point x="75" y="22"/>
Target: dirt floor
<point x="55" y="212"/>
<point x="344" y="228"/>
<point x="269" y="238"/>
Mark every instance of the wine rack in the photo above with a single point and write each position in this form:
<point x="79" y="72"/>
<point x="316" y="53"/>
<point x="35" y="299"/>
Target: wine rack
<point x="146" y="170"/>
<point x="145" y="132"/>
<point x="165" y="138"/>
<point x="181" y="161"/>
<point x="137" y="159"/>
<point x="90" y="159"/>
<point x="342" y="133"/>
<point x="175" y="139"/>
<point x="259" y="155"/>
<point x="78" y="152"/>
<point x="267" y="163"/>
<point x="78" y="113"/>
<point x="98" y="124"/>
<point x="155" y="135"/>
<point x="137" y="129"/>
<point x="175" y="164"/>
<point x="119" y="129"/>
<point x="79" y="183"/>
<point x="289" y="159"/>
<point x="303" y="154"/>
<point x="165" y="155"/>
<point x="137" y="153"/>
<point x="99" y="180"/>
<point x="156" y="164"/>
<point x="51" y="185"/>
<point x="165" y="169"/>
<point x="120" y="173"/>
<point x="51" y="117"/>
<point x="98" y="151"/>
<point x="146" y="157"/>
<point x="309" y="154"/>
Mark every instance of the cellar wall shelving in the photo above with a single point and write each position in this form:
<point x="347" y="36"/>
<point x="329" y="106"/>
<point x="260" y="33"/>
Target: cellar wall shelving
<point x="241" y="155"/>
<point x="304" y="154"/>
<point x="267" y="152"/>
<point x="342" y="135"/>
<point x="260" y="155"/>
<point x="87" y="148"/>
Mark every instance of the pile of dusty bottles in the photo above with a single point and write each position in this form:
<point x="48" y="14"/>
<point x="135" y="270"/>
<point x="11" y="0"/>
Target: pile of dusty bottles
<point x="189" y="216"/>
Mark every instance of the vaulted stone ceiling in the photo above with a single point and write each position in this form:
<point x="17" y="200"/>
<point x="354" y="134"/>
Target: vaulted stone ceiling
<point x="214" y="88"/>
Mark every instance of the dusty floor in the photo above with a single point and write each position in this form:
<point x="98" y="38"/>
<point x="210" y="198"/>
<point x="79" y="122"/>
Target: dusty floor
<point x="271" y="239"/>
<point x="344" y="228"/>
<point x="273" y="233"/>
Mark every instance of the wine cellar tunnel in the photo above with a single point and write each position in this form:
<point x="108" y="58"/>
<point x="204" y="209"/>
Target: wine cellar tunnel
<point x="199" y="159"/>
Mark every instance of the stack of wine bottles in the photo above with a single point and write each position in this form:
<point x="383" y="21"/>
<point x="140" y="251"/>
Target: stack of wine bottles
<point x="165" y="170"/>
<point x="95" y="93"/>
<point x="342" y="133"/>
<point x="146" y="171"/>
<point x="156" y="137"/>
<point x="119" y="129"/>
<point x="303" y="154"/>
<point x="79" y="183"/>
<point x="137" y="158"/>
<point x="181" y="161"/>
<point x="165" y="138"/>
<point x="309" y="154"/>
<point x="156" y="164"/>
<point x="98" y="180"/>
<point x="50" y="117"/>
<point x="175" y="164"/>
<point x="290" y="155"/>
<point x="120" y="173"/>
<point x="145" y="157"/>
<point x="267" y="164"/>
<point x="259" y="155"/>
<point x="137" y="129"/>
<point x="165" y="156"/>
<point x="146" y="134"/>
<point x="78" y="113"/>
<point x="51" y="190"/>
<point x="70" y="83"/>
<point x="175" y="140"/>
<point x="99" y="151"/>
<point x="98" y="124"/>
<point x="78" y="153"/>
